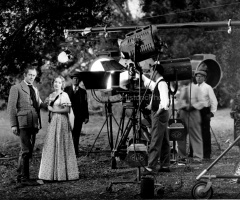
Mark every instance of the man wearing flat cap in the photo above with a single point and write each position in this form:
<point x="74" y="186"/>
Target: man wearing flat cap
<point x="78" y="98"/>
<point x="210" y="107"/>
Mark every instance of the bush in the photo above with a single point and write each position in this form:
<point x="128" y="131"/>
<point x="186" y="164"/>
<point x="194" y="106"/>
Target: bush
<point x="223" y="96"/>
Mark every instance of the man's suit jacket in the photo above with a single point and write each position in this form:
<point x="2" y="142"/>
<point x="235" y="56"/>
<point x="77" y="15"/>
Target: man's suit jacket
<point x="20" y="107"/>
<point x="79" y="103"/>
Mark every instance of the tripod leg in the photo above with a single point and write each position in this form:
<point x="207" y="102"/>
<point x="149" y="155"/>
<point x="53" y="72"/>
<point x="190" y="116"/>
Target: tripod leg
<point x="97" y="137"/>
<point x="219" y="147"/>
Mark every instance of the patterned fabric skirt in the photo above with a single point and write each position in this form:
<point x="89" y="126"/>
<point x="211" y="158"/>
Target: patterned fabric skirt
<point x="58" y="161"/>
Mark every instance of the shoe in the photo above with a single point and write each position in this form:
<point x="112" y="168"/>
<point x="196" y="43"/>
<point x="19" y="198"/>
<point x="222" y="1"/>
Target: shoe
<point x="182" y="160"/>
<point x="29" y="182"/>
<point x="149" y="171"/>
<point x="164" y="169"/>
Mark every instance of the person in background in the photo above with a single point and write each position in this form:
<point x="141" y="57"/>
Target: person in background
<point x="58" y="162"/>
<point x="190" y="102"/>
<point x="24" y="112"/>
<point x="207" y="112"/>
<point x="78" y="97"/>
<point x="235" y="114"/>
<point x="159" y="104"/>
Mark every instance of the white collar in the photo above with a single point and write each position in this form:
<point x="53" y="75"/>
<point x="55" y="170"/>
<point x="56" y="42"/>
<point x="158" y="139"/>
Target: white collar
<point x="75" y="87"/>
<point x="27" y="82"/>
<point x="160" y="78"/>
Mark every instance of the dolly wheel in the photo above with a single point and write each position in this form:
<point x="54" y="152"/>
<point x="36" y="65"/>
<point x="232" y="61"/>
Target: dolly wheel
<point x="198" y="193"/>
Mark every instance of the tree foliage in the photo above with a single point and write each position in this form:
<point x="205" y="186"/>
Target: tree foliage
<point x="32" y="31"/>
<point x="186" y="42"/>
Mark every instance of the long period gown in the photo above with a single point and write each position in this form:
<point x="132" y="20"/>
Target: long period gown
<point x="59" y="162"/>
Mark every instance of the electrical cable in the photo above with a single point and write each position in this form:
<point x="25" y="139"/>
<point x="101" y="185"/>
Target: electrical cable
<point x="195" y="10"/>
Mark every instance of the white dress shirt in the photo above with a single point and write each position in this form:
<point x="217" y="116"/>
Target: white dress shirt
<point x="209" y="98"/>
<point x="75" y="88"/>
<point x="195" y="97"/>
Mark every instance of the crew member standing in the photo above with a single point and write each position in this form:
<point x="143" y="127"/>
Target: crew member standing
<point x="190" y="102"/>
<point x="159" y="145"/>
<point x="210" y="107"/>
<point x="78" y="98"/>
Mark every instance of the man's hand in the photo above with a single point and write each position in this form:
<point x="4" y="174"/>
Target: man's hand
<point x="86" y="121"/>
<point x="160" y="111"/>
<point x="148" y="107"/>
<point x="208" y="116"/>
<point x="15" y="131"/>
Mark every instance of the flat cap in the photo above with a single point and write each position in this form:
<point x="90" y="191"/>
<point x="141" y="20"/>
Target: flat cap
<point x="75" y="74"/>
<point x="201" y="72"/>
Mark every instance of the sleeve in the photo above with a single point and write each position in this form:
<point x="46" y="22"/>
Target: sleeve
<point x="181" y="103"/>
<point x="163" y="88"/>
<point x="65" y="99"/>
<point x="12" y="106"/>
<point x="148" y="83"/>
<point x="213" y="100"/>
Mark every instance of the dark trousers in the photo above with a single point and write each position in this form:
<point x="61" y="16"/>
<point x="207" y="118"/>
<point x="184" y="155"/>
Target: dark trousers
<point x="159" y="146"/>
<point x="76" y="133"/>
<point x="27" y="141"/>
<point x="206" y="134"/>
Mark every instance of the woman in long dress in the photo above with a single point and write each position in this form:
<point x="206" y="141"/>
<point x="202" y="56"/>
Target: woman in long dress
<point x="59" y="162"/>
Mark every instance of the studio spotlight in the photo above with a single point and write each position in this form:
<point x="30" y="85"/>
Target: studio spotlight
<point x="105" y="63"/>
<point x="105" y="73"/>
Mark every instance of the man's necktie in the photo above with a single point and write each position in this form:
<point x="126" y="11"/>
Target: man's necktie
<point x="75" y="89"/>
<point x="33" y="97"/>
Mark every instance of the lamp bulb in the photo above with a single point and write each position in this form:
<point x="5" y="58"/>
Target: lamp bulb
<point x="63" y="57"/>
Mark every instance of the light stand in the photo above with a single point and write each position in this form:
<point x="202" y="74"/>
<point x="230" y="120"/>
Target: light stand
<point x="175" y="126"/>
<point x="108" y="121"/>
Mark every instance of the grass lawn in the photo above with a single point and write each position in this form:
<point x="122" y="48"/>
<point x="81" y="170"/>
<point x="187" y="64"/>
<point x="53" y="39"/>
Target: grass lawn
<point x="222" y="126"/>
<point x="95" y="173"/>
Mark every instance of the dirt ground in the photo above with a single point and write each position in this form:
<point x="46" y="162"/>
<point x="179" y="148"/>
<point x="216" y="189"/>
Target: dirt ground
<point x="96" y="174"/>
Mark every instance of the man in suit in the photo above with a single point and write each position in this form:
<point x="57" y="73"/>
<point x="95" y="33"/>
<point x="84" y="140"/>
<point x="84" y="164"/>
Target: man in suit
<point x="78" y="98"/>
<point x="24" y="112"/>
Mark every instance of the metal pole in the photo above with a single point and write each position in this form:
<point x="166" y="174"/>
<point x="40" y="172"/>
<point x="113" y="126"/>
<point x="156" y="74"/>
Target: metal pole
<point x="219" y="147"/>
<point x="159" y="26"/>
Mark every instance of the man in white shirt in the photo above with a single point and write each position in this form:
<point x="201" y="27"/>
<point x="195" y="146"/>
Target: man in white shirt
<point x="190" y="102"/>
<point x="210" y="107"/>
<point x="159" y="105"/>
